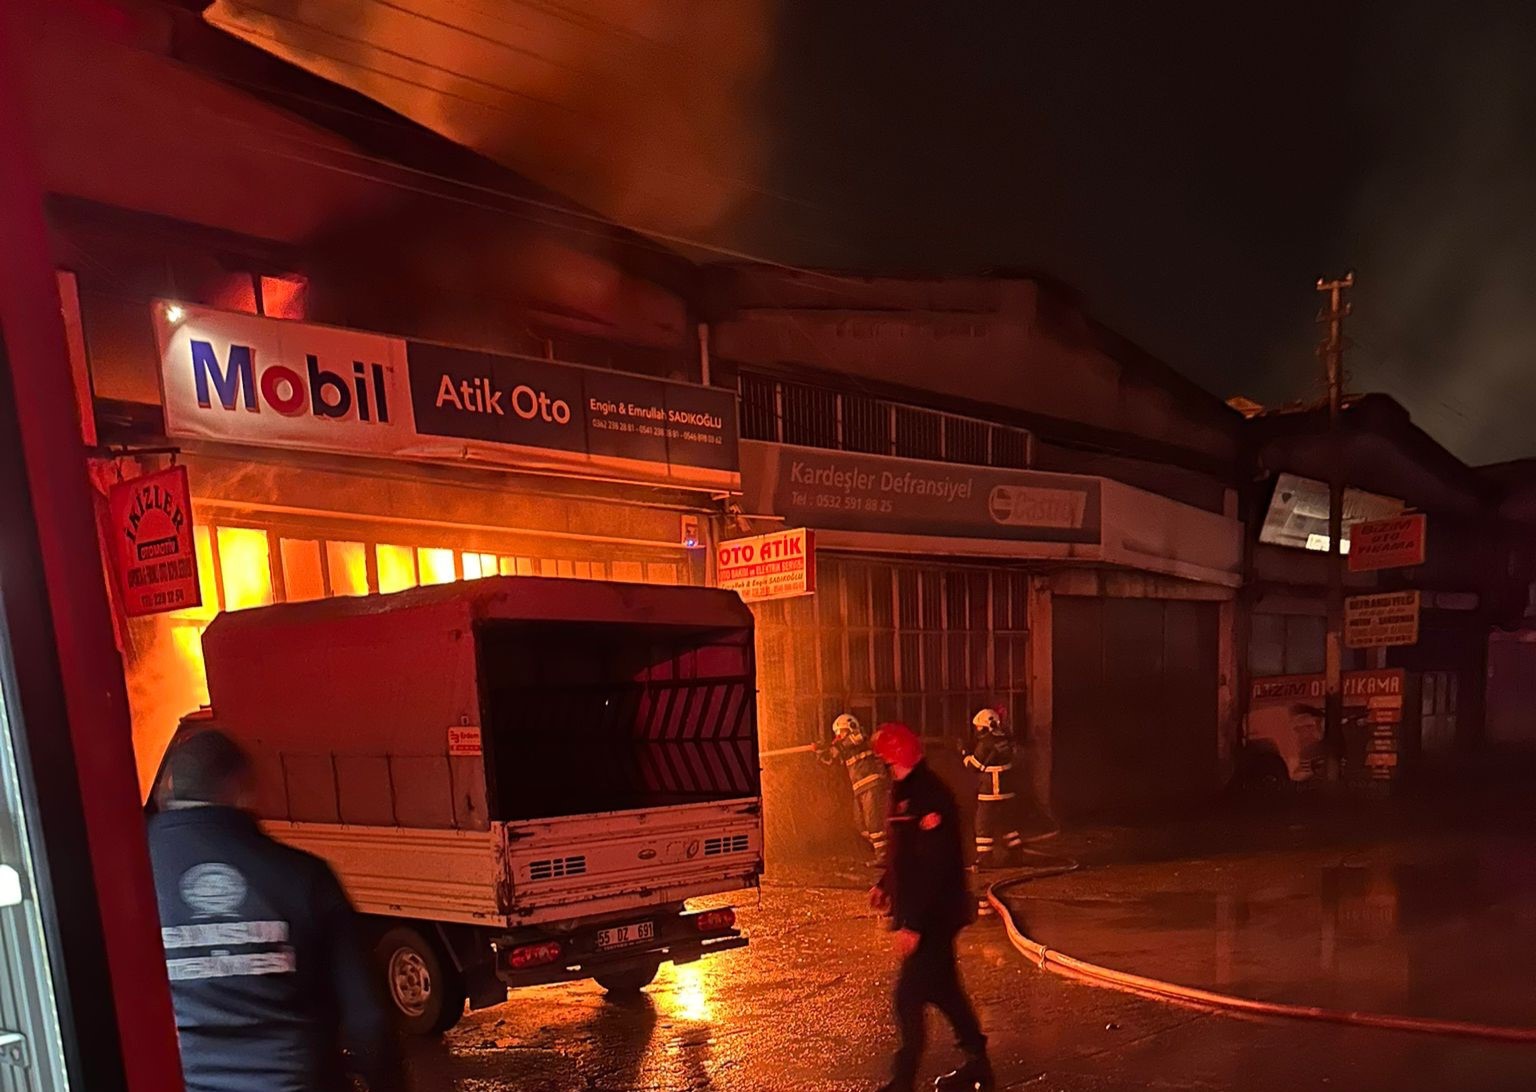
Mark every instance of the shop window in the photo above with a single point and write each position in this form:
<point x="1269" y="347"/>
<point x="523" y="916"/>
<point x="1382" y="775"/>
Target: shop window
<point x="347" y="567"/>
<point x="917" y="643"/>
<point x="245" y="566"/>
<point x="397" y="567"/>
<point x="479" y="565"/>
<point x="435" y="566"/>
<point x="548" y="566"/>
<point x="303" y="576"/>
<point x="207" y="581"/>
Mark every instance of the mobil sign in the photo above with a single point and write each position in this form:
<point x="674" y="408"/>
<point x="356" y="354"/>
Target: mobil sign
<point x="249" y="379"/>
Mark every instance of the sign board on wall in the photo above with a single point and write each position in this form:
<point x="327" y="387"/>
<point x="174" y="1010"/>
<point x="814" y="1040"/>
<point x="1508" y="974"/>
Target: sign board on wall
<point x="777" y="566"/>
<point x="153" y="549"/>
<point x="1396" y="543"/>
<point x="1382" y="620"/>
<point x="840" y="490"/>
<point x="1298" y="513"/>
<point x="464" y="741"/>
<point x="253" y="380"/>
<point x="1287" y="711"/>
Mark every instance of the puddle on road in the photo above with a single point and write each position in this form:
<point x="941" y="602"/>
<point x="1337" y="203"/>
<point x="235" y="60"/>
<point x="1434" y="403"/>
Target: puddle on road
<point x="1452" y="936"/>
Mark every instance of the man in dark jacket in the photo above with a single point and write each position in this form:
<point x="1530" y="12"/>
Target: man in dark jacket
<point x="268" y="977"/>
<point x="924" y="892"/>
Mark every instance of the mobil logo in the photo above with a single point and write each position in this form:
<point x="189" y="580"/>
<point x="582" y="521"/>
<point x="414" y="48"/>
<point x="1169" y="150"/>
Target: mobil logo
<point x="356" y="390"/>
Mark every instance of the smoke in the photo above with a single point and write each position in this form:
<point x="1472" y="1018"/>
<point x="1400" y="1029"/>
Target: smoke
<point x="1445" y="235"/>
<point x="645" y="110"/>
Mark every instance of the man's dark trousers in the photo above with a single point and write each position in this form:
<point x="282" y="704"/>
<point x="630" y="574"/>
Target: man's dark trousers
<point x="929" y="976"/>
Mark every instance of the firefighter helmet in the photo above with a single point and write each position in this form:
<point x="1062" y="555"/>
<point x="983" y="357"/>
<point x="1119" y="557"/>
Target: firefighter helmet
<point x="847" y="725"/>
<point x="988" y="720"/>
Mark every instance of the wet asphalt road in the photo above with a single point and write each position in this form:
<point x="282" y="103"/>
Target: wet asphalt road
<point x="805" y="1006"/>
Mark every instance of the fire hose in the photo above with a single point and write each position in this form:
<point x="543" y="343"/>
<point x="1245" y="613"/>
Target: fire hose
<point x="1093" y="974"/>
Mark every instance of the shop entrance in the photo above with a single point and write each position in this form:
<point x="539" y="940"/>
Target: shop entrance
<point x="1135" y="703"/>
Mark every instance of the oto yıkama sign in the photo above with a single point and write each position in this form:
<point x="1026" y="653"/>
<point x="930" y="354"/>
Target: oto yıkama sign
<point x="777" y="566"/>
<point x="252" y="380"/>
<point x="153" y="549"/>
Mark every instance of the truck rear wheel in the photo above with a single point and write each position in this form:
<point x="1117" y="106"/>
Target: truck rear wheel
<point x="628" y="981"/>
<point x="425" y="992"/>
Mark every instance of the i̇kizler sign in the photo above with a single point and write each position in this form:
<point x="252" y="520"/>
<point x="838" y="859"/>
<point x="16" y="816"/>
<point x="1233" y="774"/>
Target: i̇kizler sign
<point x="152" y="545"/>
<point x="247" y="379"/>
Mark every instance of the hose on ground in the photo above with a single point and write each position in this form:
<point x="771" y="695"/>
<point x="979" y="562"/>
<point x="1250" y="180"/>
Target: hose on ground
<point x="1093" y="974"/>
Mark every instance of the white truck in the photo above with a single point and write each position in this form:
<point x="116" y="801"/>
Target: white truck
<point x="519" y="780"/>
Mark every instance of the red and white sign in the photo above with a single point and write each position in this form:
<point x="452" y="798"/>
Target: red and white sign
<point x="464" y="741"/>
<point x="153" y="550"/>
<point x="777" y="566"/>
<point x="1396" y="543"/>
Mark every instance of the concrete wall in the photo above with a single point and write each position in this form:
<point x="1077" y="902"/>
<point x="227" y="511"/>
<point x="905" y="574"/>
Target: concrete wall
<point x="1016" y="346"/>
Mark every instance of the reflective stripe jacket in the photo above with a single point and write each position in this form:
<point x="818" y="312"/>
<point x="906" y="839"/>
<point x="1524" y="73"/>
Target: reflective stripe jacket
<point x="268" y="976"/>
<point x="993" y="757"/>
<point x="863" y="765"/>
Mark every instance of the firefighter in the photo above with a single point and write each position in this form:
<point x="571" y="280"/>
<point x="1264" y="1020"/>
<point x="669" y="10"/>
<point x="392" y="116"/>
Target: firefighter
<point x="924" y="892"/>
<point x="998" y="841"/>
<point x="867" y="775"/>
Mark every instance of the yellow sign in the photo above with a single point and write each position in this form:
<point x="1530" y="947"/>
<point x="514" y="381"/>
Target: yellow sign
<point x="1381" y="621"/>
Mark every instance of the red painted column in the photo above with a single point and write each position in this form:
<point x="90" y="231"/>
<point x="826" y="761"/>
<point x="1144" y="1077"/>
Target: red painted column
<point x="88" y="663"/>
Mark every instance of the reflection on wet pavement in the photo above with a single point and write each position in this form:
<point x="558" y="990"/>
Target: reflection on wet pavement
<point x="1442" y="934"/>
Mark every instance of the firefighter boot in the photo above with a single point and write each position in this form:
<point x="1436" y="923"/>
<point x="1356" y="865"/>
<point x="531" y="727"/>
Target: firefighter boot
<point x="974" y="1076"/>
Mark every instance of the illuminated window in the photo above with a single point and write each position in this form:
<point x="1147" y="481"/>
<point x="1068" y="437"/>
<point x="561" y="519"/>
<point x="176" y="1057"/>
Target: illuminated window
<point x="245" y="563"/>
<point x="507" y="566"/>
<point x="436" y="566"/>
<point x="661" y="573"/>
<point x="302" y="575"/>
<point x="478" y="565"/>
<point x="565" y="568"/>
<point x="548" y="566"/>
<point x="348" y="565"/>
<point x="205" y="579"/>
<point x="527" y="567"/>
<point x="397" y="567"/>
<point x="599" y="572"/>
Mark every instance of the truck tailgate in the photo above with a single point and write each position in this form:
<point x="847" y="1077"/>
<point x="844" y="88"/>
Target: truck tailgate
<point x="614" y="862"/>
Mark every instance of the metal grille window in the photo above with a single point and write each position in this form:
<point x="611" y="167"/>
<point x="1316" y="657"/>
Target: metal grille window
<point x="813" y="416"/>
<point x="927" y="645"/>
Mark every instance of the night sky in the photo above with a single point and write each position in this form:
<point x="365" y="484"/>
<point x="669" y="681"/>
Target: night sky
<point x="1192" y="169"/>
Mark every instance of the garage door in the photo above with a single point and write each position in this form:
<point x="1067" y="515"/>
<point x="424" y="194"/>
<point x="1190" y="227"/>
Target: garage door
<point x="1135" y="703"/>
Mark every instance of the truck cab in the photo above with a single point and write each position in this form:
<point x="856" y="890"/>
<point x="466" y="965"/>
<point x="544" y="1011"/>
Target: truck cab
<point x="518" y="780"/>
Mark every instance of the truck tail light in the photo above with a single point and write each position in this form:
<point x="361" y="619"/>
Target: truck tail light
<point x="713" y="921"/>
<point x="533" y="955"/>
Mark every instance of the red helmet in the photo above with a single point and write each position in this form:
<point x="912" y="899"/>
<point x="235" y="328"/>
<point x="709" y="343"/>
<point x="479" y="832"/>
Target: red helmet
<point x="897" y="745"/>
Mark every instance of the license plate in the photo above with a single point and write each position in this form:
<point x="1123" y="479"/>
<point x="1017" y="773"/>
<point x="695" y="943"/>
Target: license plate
<point x="621" y="936"/>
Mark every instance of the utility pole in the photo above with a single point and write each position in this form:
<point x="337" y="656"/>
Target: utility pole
<point x="1331" y="351"/>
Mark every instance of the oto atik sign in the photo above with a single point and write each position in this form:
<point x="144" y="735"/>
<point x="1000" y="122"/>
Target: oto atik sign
<point x="153" y="550"/>
<point x="777" y="566"/>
